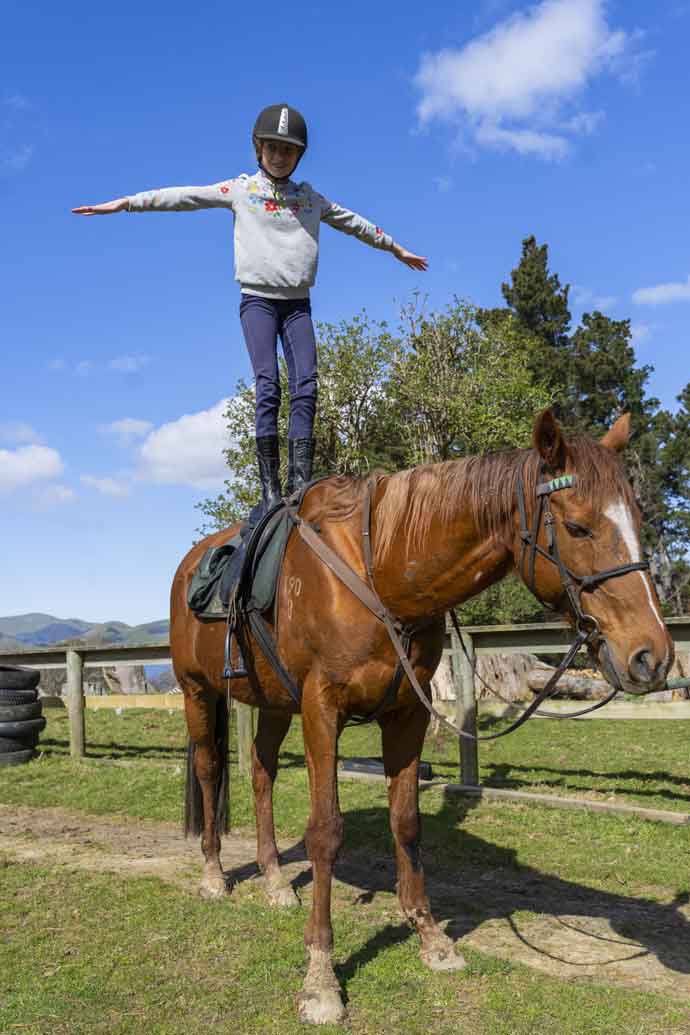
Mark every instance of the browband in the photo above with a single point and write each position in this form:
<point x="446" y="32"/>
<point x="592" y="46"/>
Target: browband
<point x="565" y="481"/>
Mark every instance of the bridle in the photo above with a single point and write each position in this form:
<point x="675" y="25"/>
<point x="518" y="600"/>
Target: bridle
<point x="574" y="585"/>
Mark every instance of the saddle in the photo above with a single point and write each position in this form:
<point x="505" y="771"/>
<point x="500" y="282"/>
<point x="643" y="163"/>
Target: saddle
<point x="236" y="582"/>
<point x="244" y="569"/>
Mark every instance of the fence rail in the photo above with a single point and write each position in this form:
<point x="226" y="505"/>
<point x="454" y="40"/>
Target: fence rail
<point x="542" y="638"/>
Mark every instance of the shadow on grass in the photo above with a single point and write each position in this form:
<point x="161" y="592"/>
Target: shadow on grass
<point x="501" y="774"/>
<point x="493" y="885"/>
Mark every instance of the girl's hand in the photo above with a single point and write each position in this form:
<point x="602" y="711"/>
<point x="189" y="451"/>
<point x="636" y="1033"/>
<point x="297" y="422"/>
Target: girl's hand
<point x="119" y="205"/>
<point x="415" y="262"/>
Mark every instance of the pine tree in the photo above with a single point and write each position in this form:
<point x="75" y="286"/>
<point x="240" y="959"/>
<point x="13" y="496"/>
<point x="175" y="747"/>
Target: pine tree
<point x="539" y="302"/>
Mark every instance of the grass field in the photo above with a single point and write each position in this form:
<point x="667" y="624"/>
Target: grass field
<point x="97" y="952"/>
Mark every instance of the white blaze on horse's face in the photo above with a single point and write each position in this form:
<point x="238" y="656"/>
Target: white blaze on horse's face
<point x="619" y="515"/>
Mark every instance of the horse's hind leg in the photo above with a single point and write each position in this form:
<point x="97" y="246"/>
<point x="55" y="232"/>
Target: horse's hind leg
<point x="206" y="805"/>
<point x="270" y="734"/>
<point x="403" y="738"/>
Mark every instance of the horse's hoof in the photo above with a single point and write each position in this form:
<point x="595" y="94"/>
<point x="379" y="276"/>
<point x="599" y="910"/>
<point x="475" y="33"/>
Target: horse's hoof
<point x="319" y="1000"/>
<point x="321" y="1007"/>
<point x="281" y="896"/>
<point x="214" y="887"/>
<point x="443" y="957"/>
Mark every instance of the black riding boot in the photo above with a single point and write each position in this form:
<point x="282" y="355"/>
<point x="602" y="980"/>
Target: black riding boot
<point x="268" y="456"/>
<point x="300" y="463"/>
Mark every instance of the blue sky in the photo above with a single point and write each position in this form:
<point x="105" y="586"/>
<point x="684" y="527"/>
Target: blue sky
<point x="459" y="128"/>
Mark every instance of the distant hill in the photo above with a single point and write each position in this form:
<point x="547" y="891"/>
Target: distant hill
<point x="10" y="644"/>
<point x="20" y="632"/>
<point x="26" y="625"/>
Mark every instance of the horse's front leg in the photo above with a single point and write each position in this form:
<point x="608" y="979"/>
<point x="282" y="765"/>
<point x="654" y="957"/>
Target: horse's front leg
<point x="270" y="734"/>
<point x="320" y="1000"/>
<point x="403" y="738"/>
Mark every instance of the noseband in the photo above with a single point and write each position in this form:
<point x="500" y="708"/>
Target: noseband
<point x="574" y="585"/>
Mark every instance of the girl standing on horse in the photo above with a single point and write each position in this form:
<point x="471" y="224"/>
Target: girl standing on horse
<point x="277" y="225"/>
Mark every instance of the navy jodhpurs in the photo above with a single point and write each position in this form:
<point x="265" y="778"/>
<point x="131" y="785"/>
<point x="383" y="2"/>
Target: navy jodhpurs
<point x="263" y="320"/>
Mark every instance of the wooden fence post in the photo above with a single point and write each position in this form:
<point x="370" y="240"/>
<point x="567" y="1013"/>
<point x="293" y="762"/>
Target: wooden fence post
<point x="467" y="709"/>
<point x="245" y="736"/>
<point x="75" y="703"/>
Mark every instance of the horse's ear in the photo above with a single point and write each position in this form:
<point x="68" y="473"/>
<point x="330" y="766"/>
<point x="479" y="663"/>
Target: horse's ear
<point x="618" y="435"/>
<point x="549" y="441"/>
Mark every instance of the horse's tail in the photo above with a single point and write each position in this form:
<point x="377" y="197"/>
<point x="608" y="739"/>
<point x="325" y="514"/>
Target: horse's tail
<point x="193" y="803"/>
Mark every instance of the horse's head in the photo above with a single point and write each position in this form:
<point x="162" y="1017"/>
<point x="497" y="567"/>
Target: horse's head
<point x="588" y="562"/>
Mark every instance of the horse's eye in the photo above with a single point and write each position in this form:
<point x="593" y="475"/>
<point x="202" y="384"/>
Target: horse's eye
<point x="577" y="531"/>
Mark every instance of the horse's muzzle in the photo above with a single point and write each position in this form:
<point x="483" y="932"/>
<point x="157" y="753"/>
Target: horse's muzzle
<point x="646" y="671"/>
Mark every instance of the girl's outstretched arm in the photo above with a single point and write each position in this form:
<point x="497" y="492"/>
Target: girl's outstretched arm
<point x="352" y="223"/>
<point x="167" y="199"/>
<point x="106" y="209"/>
<point x="415" y="262"/>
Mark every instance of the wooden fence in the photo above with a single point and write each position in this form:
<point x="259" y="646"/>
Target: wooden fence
<point x="542" y="638"/>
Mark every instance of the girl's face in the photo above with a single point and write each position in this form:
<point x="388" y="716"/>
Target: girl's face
<point x="278" y="158"/>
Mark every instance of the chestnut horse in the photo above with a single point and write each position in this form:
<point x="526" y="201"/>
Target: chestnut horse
<point x="440" y="533"/>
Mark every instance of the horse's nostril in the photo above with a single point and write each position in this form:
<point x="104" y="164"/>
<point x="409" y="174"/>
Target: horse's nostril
<point x="642" y="665"/>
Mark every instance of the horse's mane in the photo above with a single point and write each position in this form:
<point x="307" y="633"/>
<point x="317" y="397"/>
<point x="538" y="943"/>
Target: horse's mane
<point x="487" y="484"/>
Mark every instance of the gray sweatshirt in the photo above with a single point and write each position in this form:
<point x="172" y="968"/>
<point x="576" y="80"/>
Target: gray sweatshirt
<point x="276" y="228"/>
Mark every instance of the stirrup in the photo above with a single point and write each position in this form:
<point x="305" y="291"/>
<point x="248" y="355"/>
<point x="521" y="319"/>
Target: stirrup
<point x="229" y="672"/>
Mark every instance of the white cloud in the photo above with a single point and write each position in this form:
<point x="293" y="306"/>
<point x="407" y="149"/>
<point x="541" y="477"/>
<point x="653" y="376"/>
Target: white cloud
<point x="54" y="495"/>
<point x="602" y="302"/>
<point x="188" y="451"/>
<point x="524" y="141"/>
<point x="584" y="297"/>
<point x="18" y="431"/>
<point x="128" y="364"/>
<point x="660" y="294"/>
<point x="106" y="486"/>
<point x="585" y="122"/>
<point x="639" y="332"/>
<point x="126" y="429"/>
<point x="26" y="464"/>
<point x="510" y="87"/>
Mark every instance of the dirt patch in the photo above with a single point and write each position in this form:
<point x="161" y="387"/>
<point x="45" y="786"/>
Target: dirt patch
<point x="568" y="930"/>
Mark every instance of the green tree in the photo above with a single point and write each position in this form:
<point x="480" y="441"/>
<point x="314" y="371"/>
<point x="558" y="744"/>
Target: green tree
<point x="460" y="385"/>
<point x="539" y="304"/>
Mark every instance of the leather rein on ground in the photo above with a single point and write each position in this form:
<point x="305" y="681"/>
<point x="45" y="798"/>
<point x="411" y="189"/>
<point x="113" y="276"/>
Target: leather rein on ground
<point x="586" y="626"/>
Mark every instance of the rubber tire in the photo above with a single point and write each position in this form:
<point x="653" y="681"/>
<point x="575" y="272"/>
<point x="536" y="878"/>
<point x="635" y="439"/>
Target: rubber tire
<point x="17" y="696"/>
<point x="17" y="757"/>
<point x="16" y="712"/>
<point x="14" y="678"/>
<point x="8" y="745"/>
<point x="23" y="728"/>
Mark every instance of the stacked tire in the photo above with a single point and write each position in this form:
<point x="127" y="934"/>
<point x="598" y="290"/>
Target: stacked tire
<point x="21" y="718"/>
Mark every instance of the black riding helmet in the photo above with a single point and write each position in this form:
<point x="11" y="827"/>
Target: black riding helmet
<point x="281" y="122"/>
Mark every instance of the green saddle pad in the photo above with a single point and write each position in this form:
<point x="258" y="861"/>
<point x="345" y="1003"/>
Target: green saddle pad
<point x="223" y="568"/>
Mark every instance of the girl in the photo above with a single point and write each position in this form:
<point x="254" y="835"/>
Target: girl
<point x="276" y="253"/>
